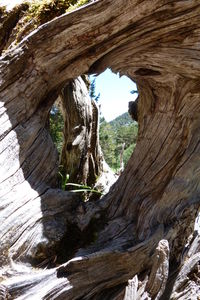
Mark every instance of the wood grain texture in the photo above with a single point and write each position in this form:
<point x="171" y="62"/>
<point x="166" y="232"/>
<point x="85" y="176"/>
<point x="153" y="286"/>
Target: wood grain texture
<point x="156" y="43"/>
<point x="81" y="156"/>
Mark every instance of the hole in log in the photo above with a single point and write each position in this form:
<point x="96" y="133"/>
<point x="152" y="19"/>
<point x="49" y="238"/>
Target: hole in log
<point x="75" y="126"/>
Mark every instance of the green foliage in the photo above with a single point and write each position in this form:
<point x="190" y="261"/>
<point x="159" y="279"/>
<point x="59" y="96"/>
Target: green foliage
<point x="134" y="92"/>
<point x="3" y="11"/>
<point x="56" y="124"/>
<point x="107" y="139"/>
<point x="113" y="135"/>
<point x="39" y="12"/>
<point x="75" y="187"/>
<point x="64" y="179"/>
<point x="45" y="10"/>
<point x="92" y="91"/>
<point x="78" y="4"/>
<point x="128" y="152"/>
<point x="122" y="120"/>
<point x="83" y="188"/>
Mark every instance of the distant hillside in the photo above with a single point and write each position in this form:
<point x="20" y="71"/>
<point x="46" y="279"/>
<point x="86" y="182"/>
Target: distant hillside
<point x="122" y="120"/>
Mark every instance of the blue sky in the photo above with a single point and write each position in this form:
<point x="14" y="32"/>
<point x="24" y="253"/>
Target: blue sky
<point x="114" y="93"/>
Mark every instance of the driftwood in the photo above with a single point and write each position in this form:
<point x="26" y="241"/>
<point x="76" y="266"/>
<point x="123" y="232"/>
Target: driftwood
<point x="137" y="240"/>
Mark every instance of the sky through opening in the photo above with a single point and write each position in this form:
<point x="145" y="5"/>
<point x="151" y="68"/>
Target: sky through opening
<point x="114" y="93"/>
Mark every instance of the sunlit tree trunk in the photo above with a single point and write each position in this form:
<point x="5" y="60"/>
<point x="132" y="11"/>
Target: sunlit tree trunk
<point x="81" y="155"/>
<point x="138" y="241"/>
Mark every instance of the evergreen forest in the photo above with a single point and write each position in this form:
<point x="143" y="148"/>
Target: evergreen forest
<point x="114" y="136"/>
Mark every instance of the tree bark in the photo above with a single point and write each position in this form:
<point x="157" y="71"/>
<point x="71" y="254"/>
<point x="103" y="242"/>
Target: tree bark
<point x="138" y="241"/>
<point x="81" y="156"/>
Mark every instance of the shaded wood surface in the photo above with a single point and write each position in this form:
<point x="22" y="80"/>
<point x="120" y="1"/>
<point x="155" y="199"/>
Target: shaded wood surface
<point x="146" y="220"/>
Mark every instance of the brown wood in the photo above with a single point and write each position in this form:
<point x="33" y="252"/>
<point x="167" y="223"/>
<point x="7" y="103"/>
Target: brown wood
<point x="147" y="219"/>
<point x="81" y="156"/>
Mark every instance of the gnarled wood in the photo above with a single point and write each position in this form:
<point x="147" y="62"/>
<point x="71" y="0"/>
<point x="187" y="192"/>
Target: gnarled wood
<point x="81" y="157"/>
<point x="156" y="43"/>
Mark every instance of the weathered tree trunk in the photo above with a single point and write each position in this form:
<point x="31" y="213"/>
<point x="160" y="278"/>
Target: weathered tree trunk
<point x="138" y="241"/>
<point x="81" y="156"/>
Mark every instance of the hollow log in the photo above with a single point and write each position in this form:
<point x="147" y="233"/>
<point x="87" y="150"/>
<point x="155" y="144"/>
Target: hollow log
<point x="138" y="241"/>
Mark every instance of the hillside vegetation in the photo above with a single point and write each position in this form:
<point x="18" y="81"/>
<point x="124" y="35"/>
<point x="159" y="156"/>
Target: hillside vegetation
<point x="116" y="134"/>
